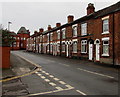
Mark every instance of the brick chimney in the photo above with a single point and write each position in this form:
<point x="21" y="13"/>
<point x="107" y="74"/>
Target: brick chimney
<point x="35" y="32"/>
<point x="49" y="27"/>
<point x="41" y="30"/>
<point x="58" y="24"/>
<point x="90" y="8"/>
<point x="70" y="18"/>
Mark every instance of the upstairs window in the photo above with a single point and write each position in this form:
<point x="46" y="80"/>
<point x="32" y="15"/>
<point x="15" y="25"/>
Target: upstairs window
<point x="58" y="34"/>
<point x="51" y="36"/>
<point x="83" y="29"/>
<point x="106" y="26"/>
<point x="74" y="31"/>
<point x="63" y="34"/>
<point x="48" y="37"/>
<point x="84" y="46"/>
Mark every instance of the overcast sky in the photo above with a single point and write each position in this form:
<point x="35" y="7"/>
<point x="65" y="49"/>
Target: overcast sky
<point x="34" y="15"/>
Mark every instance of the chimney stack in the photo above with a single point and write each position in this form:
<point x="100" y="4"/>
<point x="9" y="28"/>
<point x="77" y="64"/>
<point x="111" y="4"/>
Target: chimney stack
<point x="41" y="30"/>
<point x="90" y="8"/>
<point x="58" y="24"/>
<point x="35" y="32"/>
<point x="70" y="18"/>
<point x="49" y="27"/>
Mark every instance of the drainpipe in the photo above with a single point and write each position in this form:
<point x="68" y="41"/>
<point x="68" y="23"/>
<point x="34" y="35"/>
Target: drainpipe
<point x="113" y="41"/>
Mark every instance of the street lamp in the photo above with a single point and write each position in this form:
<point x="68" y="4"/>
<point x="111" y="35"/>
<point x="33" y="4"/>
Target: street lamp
<point x="9" y="25"/>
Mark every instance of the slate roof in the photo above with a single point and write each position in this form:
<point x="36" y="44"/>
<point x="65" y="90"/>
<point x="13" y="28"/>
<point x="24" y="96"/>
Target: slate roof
<point x="105" y="11"/>
<point x="22" y="30"/>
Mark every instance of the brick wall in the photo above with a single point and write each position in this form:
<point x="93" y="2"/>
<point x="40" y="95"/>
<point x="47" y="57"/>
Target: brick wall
<point x="5" y="57"/>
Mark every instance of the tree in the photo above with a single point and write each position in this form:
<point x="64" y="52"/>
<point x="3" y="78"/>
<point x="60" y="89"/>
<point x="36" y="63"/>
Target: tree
<point x="5" y="38"/>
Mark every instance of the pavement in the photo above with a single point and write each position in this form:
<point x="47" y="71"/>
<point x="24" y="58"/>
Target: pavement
<point x="58" y="76"/>
<point x="15" y="86"/>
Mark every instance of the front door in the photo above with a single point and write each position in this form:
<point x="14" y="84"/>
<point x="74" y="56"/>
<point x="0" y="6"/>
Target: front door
<point x="97" y="52"/>
<point x="90" y="51"/>
<point x="67" y="50"/>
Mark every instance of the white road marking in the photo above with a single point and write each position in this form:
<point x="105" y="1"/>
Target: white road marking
<point x="47" y="73"/>
<point x="70" y="87"/>
<point x="51" y="76"/>
<point x="43" y="71"/>
<point x="63" y="83"/>
<point x="47" y="80"/>
<point x="53" y="84"/>
<point x="59" y="88"/>
<point x="56" y="79"/>
<point x="81" y="92"/>
<point x="95" y="73"/>
<point x="39" y="74"/>
<point x="42" y="77"/>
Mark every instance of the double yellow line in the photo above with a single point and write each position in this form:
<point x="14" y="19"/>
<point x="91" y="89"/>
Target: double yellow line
<point x="29" y="73"/>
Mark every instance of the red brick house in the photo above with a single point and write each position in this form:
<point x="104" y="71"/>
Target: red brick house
<point x="93" y="37"/>
<point x="20" y="39"/>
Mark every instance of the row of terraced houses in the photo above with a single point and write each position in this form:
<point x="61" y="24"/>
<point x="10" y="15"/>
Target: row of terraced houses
<point x="93" y="37"/>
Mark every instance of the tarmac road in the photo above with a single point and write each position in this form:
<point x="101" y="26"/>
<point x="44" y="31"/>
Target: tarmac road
<point x="63" y="76"/>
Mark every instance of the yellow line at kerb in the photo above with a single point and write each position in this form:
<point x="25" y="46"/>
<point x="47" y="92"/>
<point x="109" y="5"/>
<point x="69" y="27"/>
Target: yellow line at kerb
<point x="49" y="92"/>
<point x="8" y="79"/>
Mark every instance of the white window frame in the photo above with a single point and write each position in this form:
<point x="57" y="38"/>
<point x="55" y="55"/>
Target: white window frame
<point x="51" y="36"/>
<point x="103" y="40"/>
<point x="103" y="19"/>
<point x="83" y="29"/>
<point x="48" y="38"/>
<point x="85" y="44"/>
<point x="74" y="31"/>
<point x="63" y="33"/>
<point x="58" y="34"/>
<point x="75" y="49"/>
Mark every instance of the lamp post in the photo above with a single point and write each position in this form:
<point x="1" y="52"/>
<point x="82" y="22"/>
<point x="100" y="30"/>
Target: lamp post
<point x="9" y="25"/>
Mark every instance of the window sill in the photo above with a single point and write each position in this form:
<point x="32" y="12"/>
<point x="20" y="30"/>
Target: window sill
<point x="106" y="32"/>
<point x="106" y="55"/>
<point x="74" y="52"/>
<point x="84" y="52"/>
